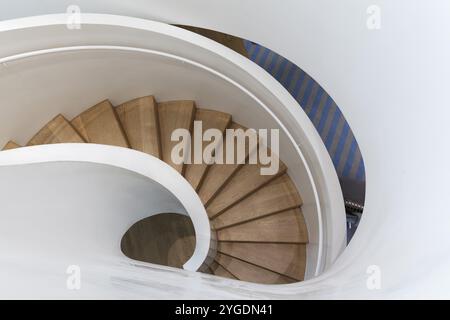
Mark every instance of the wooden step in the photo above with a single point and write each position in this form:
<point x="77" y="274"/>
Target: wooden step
<point x="209" y="119"/>
<point x="219" y="174"/>
<point x="284" y="227"/>
<point x="220" y="271"/>
<point x="58" y="130"/>
<point x="248" y="272"/>
<point x="11" y="145"/>
<point x="278" y="195"/>
<point x="284" y="258"/>
<point x="246" y="181"/>
<point x="174" y="115"/>
<point x="100" y="125"/>
<point x="139" y="119"/>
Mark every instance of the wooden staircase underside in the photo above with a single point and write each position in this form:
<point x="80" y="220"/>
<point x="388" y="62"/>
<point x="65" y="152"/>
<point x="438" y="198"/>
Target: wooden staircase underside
<point x="260" y="228"/>
<point x="166" y="239"/>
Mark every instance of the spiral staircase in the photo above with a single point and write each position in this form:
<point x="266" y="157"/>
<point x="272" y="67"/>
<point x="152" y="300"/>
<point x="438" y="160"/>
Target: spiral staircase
<point x="50" y="218"/>
<point x="260" y="228"/>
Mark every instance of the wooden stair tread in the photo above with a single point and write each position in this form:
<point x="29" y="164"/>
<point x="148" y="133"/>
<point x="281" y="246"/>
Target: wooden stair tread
<point x="284" y="227"/>
<point x="174" y="115"/>
<point x="287" y="259"/>
<point x="11" y="145"/>
<point x="99" y="124"/>
<point x="220" y="271"/>
<point x="247" y="180"/>
<point x="139" y="120"/>
<point x="278" y="195"/>
<point x="218" y="174"/>
<point x="58" y="130"/>
<point x="165" y="239"/>
<point x="210" y="119"/>
<point x="248" y="272"/>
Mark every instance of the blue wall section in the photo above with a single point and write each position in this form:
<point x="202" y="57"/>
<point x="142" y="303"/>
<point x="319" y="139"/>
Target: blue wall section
<point x="320" y="108"/>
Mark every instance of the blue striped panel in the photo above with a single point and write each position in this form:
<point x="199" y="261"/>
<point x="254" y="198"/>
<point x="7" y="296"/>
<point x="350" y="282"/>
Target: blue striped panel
<point x="330" y="137"/>
<point x="304" y="98"/>
<point x="281" y="70"/>
<point x="325" y="114"/>
<point x="316" y="102"/>
<point x="263" y="58"/>
<point x="361" y="173"/>
<point x="340" y="147"/>
<point x="351" y="156"/>
<point x="255" y="53"/>
<point x="286" y="83"/>
<point x="295" y="81"/>
<point x="298" y="85"/>
<point x="273" y="63"/>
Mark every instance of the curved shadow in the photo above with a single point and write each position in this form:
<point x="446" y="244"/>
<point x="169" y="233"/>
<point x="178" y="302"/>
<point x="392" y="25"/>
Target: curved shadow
<point x="167" y="239"/>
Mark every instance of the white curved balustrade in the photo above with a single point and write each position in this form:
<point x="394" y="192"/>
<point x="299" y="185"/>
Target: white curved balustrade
<point x="164" y="191"/>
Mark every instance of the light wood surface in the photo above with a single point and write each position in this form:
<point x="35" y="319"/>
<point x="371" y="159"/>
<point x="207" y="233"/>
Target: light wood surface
<point x="219" y="174"/>
<point x="278" y="195"/>
<point x="209" y="119"/>
<point x="100" y="125"/>
<point x="139" y="119"/>
<point x="11" y="145"/>
<point x="284" y="227"/>
<point x="174" y="115"/>
<point x="165" y="239"/>
<point x="246" y="181"/>
<point x="58" y="130"/>
<point x="248" y="272"/>
<point x="285" y="258"/>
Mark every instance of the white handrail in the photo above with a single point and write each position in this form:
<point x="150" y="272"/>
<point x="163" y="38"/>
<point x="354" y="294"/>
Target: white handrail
<point x="324" y="210"/>
<point x="134" y="161"/>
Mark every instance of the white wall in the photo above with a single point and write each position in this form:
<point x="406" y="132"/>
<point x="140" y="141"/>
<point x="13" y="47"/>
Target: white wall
<point x="69" y="213"/>
<point x="392" y="87"/>
<point x="70" y="217"/>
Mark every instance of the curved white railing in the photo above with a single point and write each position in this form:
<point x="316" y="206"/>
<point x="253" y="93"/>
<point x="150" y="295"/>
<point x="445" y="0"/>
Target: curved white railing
<point x="133" y="161"/>
<point x="253" y="98"/>
<point x="242" y="88"/>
